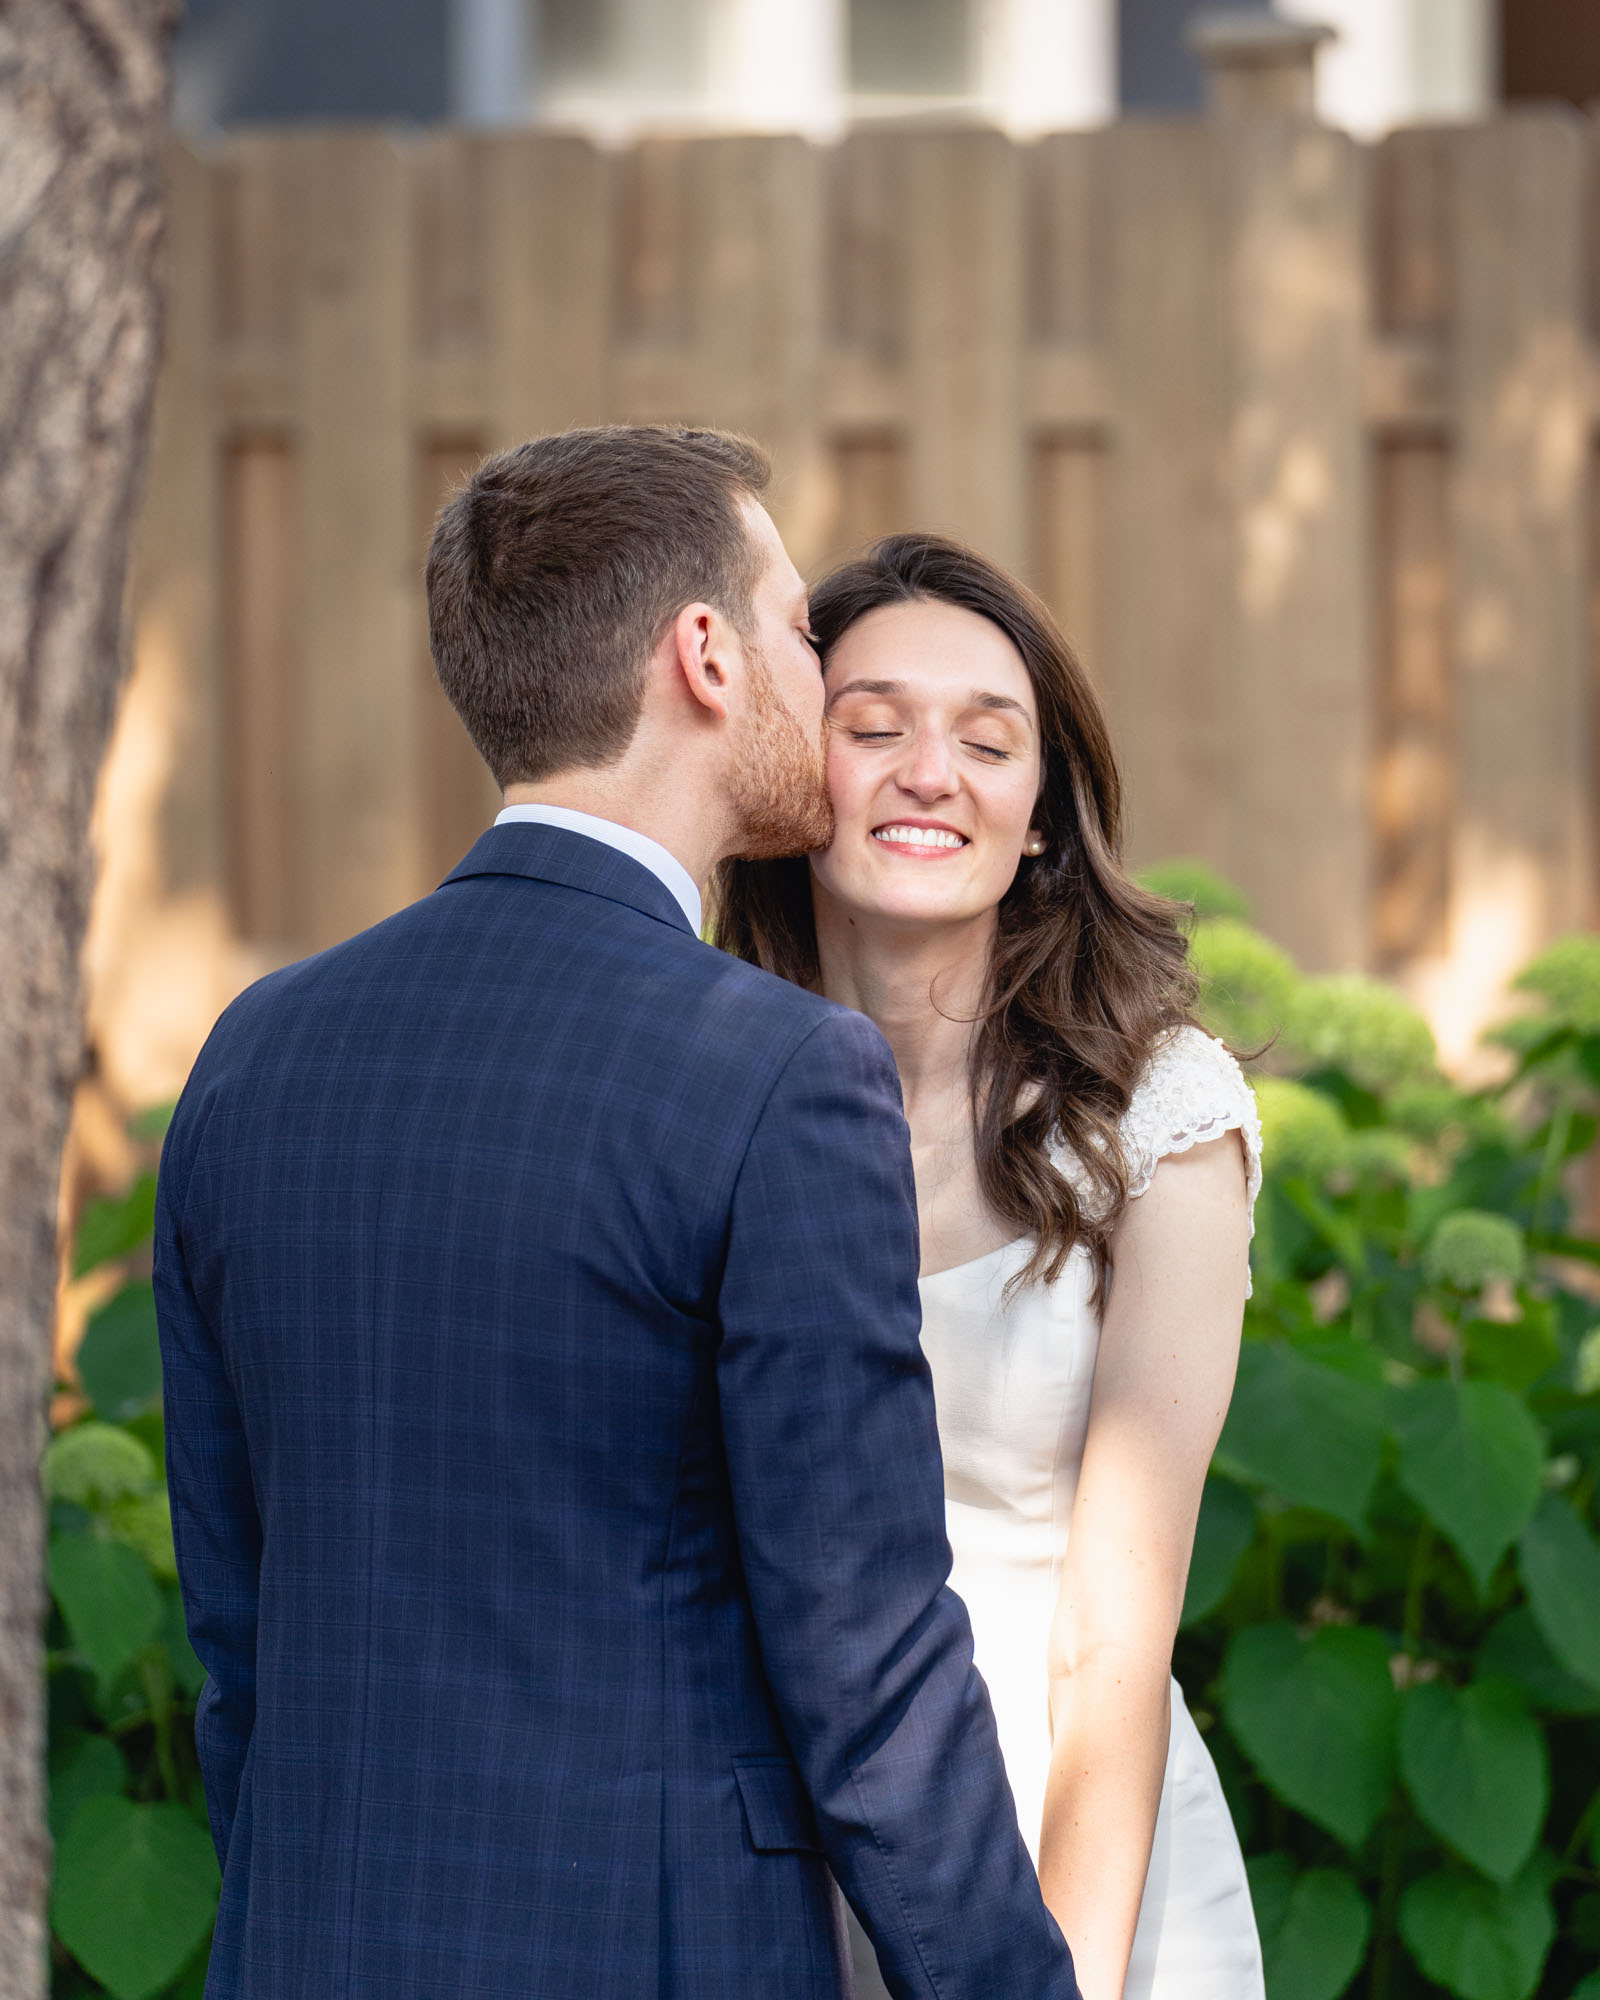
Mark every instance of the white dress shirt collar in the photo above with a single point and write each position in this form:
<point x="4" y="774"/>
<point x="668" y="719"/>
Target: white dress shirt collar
<point x="667" y="868"/>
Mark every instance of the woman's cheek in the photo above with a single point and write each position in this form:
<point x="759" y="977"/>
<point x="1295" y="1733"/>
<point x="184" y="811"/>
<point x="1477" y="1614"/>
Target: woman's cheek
<point x="841" y="792"/>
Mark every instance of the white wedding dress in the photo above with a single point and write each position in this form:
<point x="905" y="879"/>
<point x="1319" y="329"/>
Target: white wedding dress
<point x="1012" y="1385"/>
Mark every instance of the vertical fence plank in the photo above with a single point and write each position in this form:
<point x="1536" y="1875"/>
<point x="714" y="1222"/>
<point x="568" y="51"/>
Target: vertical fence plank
<point x="1523" y="865"/>
<point x="258" y="241"/>
<point x="1301" y="722"/>
<point x="1068" y="521"/>
<point x="261" y="688"/>
<point x="548" y="245"/>
<point x="1414" y="765"/>
<point x="1163" y="670"/>
<point x="1412" y="222"/>
<point x="865" y="244"/>
<point x="448" y="264"/>
<point x="1063" y="238"/>
<point x="653" y="241"/>
<point x="177" y="585"/>
<point x="358" y="714"/>
<point x="756" y="326"/>
<point x="967" y="463"/>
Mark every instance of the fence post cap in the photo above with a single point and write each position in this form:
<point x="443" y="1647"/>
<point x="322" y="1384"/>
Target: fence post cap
<point x="1258" y="63"/>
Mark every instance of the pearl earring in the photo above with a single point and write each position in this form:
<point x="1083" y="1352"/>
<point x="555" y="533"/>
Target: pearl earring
<point x="1034" y="844"/>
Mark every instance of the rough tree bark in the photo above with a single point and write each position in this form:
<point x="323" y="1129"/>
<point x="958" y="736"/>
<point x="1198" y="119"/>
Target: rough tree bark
<point x="82" y="111"/>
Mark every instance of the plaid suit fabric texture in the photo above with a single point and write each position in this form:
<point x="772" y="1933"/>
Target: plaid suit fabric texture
<point x="554" y="1475"/>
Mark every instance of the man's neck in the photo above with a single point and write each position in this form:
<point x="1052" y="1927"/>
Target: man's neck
<point x="674" y="822"/>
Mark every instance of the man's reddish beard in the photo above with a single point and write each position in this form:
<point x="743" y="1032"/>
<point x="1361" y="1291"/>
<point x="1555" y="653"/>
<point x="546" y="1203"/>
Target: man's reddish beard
<point x="780" y="780"/>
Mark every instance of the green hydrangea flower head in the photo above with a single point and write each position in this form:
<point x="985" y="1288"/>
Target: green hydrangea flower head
<point x="1194" y="882"/>
<point x="1381" y="1152"/>
<point x="1471" y="1248"/>
<point x="94" y="1464"/>
<point x="1303" y="1133"/>
<point x="1344" y="1020"/>
<point x="1586" y="1364"/>
<point x="1247" y="985"/>
<point x="1567" y="979"/>
<point x="1435" y="1112"/>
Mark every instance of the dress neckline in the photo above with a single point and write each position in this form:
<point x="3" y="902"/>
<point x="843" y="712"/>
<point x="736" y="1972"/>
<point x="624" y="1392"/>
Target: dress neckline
<point x="972" y="1263"/>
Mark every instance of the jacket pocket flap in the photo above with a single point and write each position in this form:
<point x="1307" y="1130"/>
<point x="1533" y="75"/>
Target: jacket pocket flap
<point x="777" y="1811"/>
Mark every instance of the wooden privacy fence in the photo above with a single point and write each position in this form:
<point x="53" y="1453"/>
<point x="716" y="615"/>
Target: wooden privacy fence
<point x="1294" y="434"/>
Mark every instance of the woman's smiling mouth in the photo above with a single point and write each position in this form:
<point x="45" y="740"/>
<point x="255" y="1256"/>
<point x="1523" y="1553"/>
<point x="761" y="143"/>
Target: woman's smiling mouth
<point x="909" y="837"/>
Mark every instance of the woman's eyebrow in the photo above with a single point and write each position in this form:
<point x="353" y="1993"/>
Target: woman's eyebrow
<point x="1000" y="701"/>
<point x="869" y="687"/>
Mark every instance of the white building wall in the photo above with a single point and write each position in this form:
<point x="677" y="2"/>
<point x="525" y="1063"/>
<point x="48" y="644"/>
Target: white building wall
<point x="778" y="66"/>
<point x="1047" y="65"/>
<point x="1402" y="62"/>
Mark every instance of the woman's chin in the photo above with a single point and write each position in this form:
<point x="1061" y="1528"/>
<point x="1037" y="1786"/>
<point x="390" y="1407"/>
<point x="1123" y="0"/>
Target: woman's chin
<point x="926" y="905"/>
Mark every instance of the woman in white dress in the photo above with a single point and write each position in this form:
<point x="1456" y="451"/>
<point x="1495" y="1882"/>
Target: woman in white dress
<point x="1086" y="1164"/>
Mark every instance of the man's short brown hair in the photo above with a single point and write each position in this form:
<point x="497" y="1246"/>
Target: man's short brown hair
<point x="554" y="573"/>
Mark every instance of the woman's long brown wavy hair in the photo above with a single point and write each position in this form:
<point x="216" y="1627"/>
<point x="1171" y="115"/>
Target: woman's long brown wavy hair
<point x="1088" y="970"/>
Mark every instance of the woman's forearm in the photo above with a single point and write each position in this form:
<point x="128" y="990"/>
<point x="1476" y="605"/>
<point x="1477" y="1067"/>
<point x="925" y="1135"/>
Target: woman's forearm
<point x="1111" y="1719"/>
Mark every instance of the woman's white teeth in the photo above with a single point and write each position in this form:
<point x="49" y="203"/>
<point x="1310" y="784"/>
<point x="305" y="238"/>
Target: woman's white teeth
<point x="919" y="836"/>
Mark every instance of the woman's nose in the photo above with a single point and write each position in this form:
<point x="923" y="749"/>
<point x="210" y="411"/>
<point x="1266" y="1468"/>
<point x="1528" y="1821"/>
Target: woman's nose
<point x="929" y="769"/>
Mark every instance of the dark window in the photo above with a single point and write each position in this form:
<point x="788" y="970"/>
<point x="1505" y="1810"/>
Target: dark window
<point x="1156" y="69"/>
<point x="238" y="61"/>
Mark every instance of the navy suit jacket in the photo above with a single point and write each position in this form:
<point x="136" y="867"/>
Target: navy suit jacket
<point x="554" y="1476"/>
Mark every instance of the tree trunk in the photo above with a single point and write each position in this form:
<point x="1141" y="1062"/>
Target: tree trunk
<point x="82" y="112"/>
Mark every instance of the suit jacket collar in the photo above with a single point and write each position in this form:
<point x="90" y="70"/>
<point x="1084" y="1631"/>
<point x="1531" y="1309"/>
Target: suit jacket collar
<point x="553" y="854"/>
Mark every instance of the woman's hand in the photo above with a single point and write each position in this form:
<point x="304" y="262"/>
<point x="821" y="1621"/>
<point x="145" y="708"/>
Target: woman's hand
<point x="1169" y="1348"/>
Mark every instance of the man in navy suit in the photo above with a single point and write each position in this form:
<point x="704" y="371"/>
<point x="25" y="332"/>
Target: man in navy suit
<point x="553" y="1464"/>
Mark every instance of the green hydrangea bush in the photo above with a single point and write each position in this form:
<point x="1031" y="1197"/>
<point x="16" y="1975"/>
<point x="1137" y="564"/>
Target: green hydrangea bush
<point x="1391" y="1636"/>
<point x="135" y="1888"/>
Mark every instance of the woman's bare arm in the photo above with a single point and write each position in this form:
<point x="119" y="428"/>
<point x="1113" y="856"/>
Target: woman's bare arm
<point x="1169" y="1348"/>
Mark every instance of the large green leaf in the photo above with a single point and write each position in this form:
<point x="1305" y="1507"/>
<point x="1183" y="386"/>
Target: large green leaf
<point x="1471" y="1458"/>
<point x="144" y="1522"/>
<point x="110" y="1229"/>
<point x="1516" y="1650"/>
<point x="1313" y="1434"/>
<point x="191" y="1984"/>
<point x="107" y="1596"/>
<point x="1316" y="1717"/>
<point x="81" y="1767"/>
<point x="135" y="1893"/>
<point x="1475" y="1764"/>
<point x="1560" y="1563"/>
<point x="1226" y="1528"/>
<point x="1313" y="1928"/>
<point x="1477" y="1939"/>
<point x="1515" y="1352"/>
<point x="119" y="1358"/>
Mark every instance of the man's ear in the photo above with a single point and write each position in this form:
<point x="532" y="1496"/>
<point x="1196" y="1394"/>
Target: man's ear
<point x="702" y="640"/>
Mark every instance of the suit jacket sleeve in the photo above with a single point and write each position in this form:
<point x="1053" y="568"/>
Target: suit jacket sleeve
<point x="215" y="1525"/>
<point x="833" y="1454"/>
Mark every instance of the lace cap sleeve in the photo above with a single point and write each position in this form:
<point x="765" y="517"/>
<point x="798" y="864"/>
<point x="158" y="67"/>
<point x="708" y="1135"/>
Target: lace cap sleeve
<point x="1191" y="1091"/>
